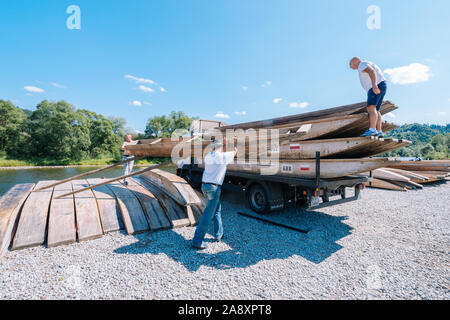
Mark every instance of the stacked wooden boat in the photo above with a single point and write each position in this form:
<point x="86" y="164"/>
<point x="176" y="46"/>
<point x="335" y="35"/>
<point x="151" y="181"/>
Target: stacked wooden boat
<point x="335" y="133"/>
<point x="407" y="175"/>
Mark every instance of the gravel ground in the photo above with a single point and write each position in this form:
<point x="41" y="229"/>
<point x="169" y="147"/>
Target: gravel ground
<point x="388" y="245"/>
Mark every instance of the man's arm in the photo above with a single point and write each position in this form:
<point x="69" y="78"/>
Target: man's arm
<point x="123" y="146"/>
<point x="373" y="78"/>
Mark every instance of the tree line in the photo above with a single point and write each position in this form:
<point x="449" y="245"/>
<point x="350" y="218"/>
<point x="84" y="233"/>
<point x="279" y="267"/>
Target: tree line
<point x="428" y="141"/>
<point x="58" y="131"/>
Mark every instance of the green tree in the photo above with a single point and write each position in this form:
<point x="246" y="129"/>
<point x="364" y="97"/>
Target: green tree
<point x="12" y="120"/>
<point x="104" y="140"/>
<point x="163" y="126"/>
<point x="58" y="132"/>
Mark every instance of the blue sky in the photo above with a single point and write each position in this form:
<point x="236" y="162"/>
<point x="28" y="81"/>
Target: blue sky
<point x="229" y="60"/>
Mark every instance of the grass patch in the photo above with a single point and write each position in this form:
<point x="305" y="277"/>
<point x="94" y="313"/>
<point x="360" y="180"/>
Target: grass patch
<point x="7" y="162"/>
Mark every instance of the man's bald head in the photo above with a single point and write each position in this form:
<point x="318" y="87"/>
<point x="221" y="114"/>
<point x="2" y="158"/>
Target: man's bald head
<point x="354" y="63"/>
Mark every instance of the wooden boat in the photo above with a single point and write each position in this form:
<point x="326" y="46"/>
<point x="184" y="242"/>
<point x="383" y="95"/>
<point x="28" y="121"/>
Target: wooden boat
<point x="309" y="116"/>
<point x="428" y="165"/>
<point x="341" y="148"/>
<point x="329" y="168"/>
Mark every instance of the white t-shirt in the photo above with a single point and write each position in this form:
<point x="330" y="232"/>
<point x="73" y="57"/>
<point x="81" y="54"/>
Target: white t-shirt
<point x="364" y="76"/>
<point x="216" y="166"/>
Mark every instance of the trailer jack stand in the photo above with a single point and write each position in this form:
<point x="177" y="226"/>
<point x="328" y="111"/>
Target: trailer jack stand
<point x="249" y="215"/>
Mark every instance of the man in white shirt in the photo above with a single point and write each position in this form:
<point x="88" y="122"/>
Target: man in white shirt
<point x="374" y="82"/>
<point x="213" y="176"/>
<point x="127" y="167"/>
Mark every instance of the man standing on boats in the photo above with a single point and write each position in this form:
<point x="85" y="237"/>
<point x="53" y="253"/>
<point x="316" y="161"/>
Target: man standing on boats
<point x="127" y="167"/>
<point x="374" y="82"/>
<point x="215" y="168"/>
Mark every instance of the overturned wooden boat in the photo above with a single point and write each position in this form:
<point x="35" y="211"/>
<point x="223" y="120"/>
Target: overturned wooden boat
<point x="329" y="168"/>
<point x="29" y="219"/>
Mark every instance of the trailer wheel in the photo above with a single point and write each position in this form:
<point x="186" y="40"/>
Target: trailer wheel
<point x="258" y="199"/>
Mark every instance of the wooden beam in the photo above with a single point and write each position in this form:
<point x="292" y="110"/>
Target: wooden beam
<point x="107" y="206"/>
<point x="89" y="173"/>
<point x="89" y="225"/>
<point x="118" y="178"/>
<point x="32" y="226"/>
<point x="10" y="205"/>
<point x="61" y="221"/>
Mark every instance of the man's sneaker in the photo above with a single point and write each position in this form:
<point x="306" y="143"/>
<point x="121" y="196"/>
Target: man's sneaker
<point x="380" y="134"/>
<point x="370" y="133"/>
<point x="199" y="247"/>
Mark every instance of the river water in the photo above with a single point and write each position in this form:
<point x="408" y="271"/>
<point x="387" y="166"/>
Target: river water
<point x="8" y="178"/>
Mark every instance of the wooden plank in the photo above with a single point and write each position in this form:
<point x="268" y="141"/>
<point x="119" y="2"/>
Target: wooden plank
<point x="118" y="178"/>
<point x="172" y="185"/>
<point x="85" y="174"/>
<point x="176" y="213"/>
<point x="108" y="207"/>
<point x="32" y="226"/>
<point x="87" y="216"/>
<point x="155" y="214"/>
<point x="381" y="184"/>
<point x="10" y="204"/>
<point x="61" y="221"/>
<point x="387" y="175"/>
<point x="133" y="215"/>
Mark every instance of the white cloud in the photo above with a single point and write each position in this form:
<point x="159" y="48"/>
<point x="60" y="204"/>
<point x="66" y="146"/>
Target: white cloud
<point x="136" y="103"/>
<point x="139" y="132"/>
<point x="57" y="85"/>
<point x="139" y="80"/>
<point x="222" y="115"/>
<point x="33" y="89"/>
<point x="266" y="84"/>
<point x="240" y="113"/>
<point x="277" y="100"/>
<point x="442" y="113"/>
<point x="300" y="105"/>
<point x="162" y="89"/>
<point x="414" y="73"/>
<point x="147" y="103"/>
<point x="390" y="115"/>
<point x="145" y="89"/>
<point x="244" y="88"/>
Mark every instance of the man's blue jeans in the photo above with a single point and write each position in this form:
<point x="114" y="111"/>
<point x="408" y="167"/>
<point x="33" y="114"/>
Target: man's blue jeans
<point x="212" y="211"/>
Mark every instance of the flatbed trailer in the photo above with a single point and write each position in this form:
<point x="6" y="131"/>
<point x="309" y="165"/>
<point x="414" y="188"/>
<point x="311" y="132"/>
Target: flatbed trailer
<point x="266" y="193"/>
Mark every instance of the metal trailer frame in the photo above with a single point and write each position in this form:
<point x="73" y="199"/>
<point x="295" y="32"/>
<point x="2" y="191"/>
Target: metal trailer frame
<point x="313" y="189"/>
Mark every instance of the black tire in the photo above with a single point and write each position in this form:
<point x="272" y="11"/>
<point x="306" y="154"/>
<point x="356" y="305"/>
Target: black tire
<point x="258" y="199"/>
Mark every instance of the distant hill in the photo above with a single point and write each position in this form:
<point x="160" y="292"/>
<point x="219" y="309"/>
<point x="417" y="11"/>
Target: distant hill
<point x="429" y="141"/>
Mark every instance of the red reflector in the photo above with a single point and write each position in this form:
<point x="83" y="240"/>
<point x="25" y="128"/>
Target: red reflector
<point x="294" y="147"/>
<point x="304" y="169"/>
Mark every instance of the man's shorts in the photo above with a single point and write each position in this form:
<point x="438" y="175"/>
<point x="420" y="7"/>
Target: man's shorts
<point x="377" y="100"/>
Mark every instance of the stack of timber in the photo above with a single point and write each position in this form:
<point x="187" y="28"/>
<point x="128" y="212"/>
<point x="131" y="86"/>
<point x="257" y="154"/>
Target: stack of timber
<point x="52" y="214"/>
<point x="335" y="133"/>
<point x="408" y="175"/>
